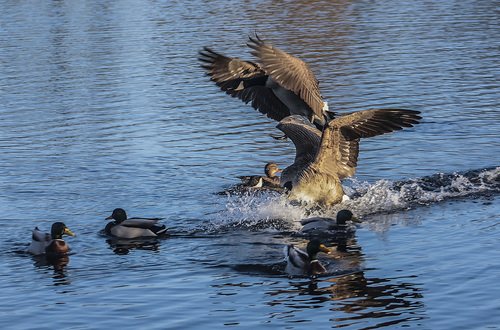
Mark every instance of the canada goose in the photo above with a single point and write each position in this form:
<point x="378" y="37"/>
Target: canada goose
<point x="279" y="85"/>
<point x="323" y="159"/>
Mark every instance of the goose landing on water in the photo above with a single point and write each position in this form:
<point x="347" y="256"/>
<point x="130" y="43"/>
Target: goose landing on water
<point x="279" y="85"/>
<point x="323" y="159"/>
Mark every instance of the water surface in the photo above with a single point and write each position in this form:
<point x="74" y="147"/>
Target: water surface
<point x="104" y="105"/>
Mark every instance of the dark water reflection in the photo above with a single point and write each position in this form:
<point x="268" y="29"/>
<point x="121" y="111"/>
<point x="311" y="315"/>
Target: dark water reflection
<point x="123" y="246"/>
<point x="57" y="265"/>
<point x="359" y="300"/>
<point x="104" y="105"/>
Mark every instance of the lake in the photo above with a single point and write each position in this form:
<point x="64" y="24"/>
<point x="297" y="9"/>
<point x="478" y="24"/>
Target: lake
<point x="103" y="104"/>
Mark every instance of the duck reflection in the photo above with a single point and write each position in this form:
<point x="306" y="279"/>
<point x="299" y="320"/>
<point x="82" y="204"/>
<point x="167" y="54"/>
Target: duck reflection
<point x="352" y="293"/>
<point x="124" y="246"/>
<point x="57" y="263"/>
<point x="361" y="298"/>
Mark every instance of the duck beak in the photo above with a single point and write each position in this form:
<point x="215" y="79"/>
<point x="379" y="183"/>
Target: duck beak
<point x="355" y="219"/>
<point x="323" y="248"/>
<point x="109" y="218"/>
<point x="68" y="232"/>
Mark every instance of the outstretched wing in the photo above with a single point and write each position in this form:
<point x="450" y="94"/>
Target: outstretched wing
<point x="339" y="148"/>
<point x="290" y="72"/>
<point x="304" y="135"/>
<point x="368" y="123"/>
<point x="244" y="80"/>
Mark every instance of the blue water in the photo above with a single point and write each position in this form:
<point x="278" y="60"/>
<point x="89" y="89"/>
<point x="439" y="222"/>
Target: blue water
<point x="103" y="104"/>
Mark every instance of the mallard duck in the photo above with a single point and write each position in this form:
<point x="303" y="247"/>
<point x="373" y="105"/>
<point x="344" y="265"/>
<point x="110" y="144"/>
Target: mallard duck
<point x="123" y="227"/>
<point x="323" y="159"/>
<point x="328" y="226"/>
<point x="271" y="180"/>
<point x="51" y="244"/>
<point x="278" y="86"/>
<point x="299" y="262"/>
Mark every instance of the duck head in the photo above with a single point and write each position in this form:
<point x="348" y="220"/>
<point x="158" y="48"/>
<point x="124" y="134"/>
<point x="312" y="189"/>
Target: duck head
<point x="314" y="247"/>
<point x="118" y="215"/>
<point x="59" y="229"/>
<point x="271" y="169"/>
<point x="345" y="215"/>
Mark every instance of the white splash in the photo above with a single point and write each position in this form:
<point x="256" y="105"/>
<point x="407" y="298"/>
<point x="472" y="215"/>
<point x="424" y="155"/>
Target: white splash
<point x="270" y="211"/>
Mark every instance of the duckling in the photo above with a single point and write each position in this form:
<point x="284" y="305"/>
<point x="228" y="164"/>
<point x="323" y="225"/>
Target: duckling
<point x="329" y="226"/>
<point x="305" y="263"/>
<point x="123" y="227"/>
<point x="271" y="180"/>
<point x="50" y="244"/>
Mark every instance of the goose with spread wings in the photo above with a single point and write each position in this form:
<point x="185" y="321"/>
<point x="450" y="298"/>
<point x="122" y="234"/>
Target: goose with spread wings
<point x="278" y="85"/>
<point x="323" y="159"/>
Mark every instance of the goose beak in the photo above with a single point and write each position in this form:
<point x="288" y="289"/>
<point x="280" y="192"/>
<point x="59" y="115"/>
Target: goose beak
<point x="67" y="231"/>
<point x="324" y="249"/>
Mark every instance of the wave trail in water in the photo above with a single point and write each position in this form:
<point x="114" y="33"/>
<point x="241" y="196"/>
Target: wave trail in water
<point x="387" y="196"/>
<point x="273" y="212"/>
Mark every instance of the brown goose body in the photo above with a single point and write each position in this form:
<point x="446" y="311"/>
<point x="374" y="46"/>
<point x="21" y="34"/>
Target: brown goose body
<point x="278" y="85"/>
<point x="324" y="159"/>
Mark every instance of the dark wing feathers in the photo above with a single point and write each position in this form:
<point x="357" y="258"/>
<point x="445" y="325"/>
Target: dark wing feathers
<point x="263" y="100"/>
<point x="290" y="72"/>
<point x="304" y="135"/>
<point x="339" y="148"/>
<point x="225" y="69"/>
<point x="347" y="157"/>
<point x="244" y="80"/>
<point x="337" y="154"/>
<point x="368" y="123"/>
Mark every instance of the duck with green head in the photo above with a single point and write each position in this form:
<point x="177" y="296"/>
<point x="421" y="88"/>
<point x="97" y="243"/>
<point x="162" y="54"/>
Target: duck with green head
<point x="305" y="263"/>
<point x="51" y="244"/>
<point x="329" y="226"/>
<point x="123" y="227"/>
